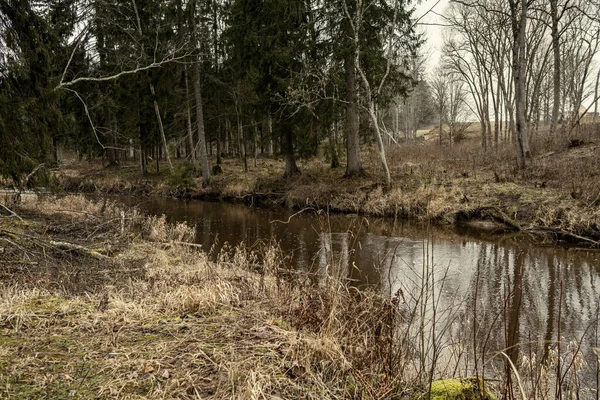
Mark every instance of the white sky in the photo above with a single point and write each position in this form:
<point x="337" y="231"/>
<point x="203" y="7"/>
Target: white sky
<point x="433" y="47"/>
<point x="433" y="33"/>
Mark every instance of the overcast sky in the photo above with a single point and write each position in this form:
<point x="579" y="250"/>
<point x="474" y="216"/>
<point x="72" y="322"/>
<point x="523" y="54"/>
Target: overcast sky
<point x="427" y="14"/>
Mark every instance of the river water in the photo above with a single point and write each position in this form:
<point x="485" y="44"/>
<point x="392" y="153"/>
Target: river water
<point x="492" y="293"/>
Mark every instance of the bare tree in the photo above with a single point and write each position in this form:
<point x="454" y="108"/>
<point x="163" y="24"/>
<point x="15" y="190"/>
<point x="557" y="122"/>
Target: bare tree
<point x="518" y="19"/>
<point x="372" y="91"/>
<point x="456" y="107"/>
<point x="439" y="86"/>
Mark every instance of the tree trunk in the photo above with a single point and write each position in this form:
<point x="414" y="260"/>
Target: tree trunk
<point x="255" y="143"/>
<point x="199" y="112"/>
<point x="483" y="124"/>
<point x="190" y="134"/>
<point x="557" y="66"/>
<point x="241" y="140"/>
<point x="240" y="136"/>
<point x="157" y="158"/>
<point x="596" y="97"/>
<point x="353" y="163"/>
<point x="440" y="128"/>
<point x="380" y="147"/>
<point x="226" y="149"/>
<point x="335" y="160"/>
<point x="290" y="162"/>
<point x="219" y="140"/>
<point x="270" y="141"/>
<point x="519" y="22"/>
<point x="143" y="160"/>
<point x="497" y="117"/>
<point x="111" y="154"/>
<point x="161" y="128"/>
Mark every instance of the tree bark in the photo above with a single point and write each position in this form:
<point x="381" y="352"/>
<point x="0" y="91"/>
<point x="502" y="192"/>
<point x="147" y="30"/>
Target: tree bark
<point x="189" y="122"/>
<point x="199" y="111"/>
<point x="255" y="143"/>
<point x="160" y="127"/>
<point x="353" y="162"/>
<point x="270" y="140"/>
<point x="557" y="66"/>
<point x="596" y="97"/>
<point x="290" y="162"/>
<point x="519" y="66"/>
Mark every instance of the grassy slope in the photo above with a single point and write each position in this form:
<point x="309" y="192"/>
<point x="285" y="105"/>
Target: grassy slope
<point x="443" y="184"/>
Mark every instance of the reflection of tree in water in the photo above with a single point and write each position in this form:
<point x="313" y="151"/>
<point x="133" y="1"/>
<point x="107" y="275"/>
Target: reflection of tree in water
<point x="521" y="289"/>
<point x="511" y="300"/>
<point x="334" y="255"/>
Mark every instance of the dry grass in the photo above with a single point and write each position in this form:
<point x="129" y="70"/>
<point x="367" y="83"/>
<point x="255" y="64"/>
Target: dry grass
<point x="166" y="321"/>
<point x="158" y="318"/>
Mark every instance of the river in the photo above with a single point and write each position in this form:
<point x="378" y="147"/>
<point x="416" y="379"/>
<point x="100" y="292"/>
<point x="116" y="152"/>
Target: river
<point x="484" y="293"/>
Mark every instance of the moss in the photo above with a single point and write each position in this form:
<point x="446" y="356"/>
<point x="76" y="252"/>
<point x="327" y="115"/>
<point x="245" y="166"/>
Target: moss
<point x="281" y="323"/>
<point x="45" y="305"/>
<point x="457" y="389"/>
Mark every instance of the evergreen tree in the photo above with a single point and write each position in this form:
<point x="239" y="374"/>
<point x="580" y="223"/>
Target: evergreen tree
<point x="267" y="42"/>
<point x="30" y="115"/>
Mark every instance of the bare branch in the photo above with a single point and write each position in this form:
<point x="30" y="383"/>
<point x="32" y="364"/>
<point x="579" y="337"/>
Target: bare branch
<point x="64" y="85"/>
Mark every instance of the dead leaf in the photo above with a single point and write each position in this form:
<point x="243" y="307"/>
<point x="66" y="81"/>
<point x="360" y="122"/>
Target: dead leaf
<point x="166" y="374"/>
<point x="149" y="369"/>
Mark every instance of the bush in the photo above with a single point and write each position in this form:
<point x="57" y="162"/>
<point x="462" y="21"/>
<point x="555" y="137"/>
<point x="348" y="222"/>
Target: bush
<point x="182" y="178"/>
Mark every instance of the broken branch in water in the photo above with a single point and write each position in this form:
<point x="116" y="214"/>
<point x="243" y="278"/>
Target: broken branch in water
<point x="292" y="216"/>
<point x="558" y="231"/>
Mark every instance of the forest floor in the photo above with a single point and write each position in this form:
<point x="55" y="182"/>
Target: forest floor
<point x="99" y="301"/>
<point x="557" y="196"/>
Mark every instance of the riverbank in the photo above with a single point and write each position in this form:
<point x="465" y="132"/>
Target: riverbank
<point x="556" y="197"/>
<point x="97" y="300"/>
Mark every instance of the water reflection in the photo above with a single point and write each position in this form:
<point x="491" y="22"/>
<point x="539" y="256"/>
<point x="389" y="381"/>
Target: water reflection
<point x="504" y="293"/>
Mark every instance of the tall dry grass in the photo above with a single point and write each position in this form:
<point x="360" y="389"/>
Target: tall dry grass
<point x="167" y="320"/>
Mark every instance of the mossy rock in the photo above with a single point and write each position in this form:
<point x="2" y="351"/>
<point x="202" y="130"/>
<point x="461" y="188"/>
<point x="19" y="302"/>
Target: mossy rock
<point x="456" y="389"/>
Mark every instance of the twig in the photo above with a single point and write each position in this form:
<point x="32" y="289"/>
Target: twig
<point x="12" y="212"/>
<point x="293" y="215"/>
<point x="13" y="243"/>
<point x="28" y="177"/>
<point x="596" y="201"/>
<point x="194" y="245"/>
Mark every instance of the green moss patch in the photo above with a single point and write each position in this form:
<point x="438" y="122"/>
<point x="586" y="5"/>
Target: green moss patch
<point x="470" y="388"/>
